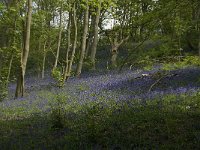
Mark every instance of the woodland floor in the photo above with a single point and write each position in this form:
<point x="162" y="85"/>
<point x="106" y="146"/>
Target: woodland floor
<point x="105" y="110"/>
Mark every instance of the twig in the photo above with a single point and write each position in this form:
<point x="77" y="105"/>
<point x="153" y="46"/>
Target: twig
<point x="157" y="81"/>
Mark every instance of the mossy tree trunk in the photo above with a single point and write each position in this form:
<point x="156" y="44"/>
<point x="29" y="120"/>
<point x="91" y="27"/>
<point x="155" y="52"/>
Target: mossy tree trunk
<point x="95" y="40"/>
<point x="84" y="38"/>
<point x="24" y="54"/>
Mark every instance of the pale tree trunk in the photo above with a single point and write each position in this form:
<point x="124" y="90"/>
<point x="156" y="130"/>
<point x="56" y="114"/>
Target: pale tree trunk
<point x="68" y="48"/>
<point x="114" y="54"/>
<point x="95" y="40"/>
<point x="114" y="50"/>
<point x="90" y="36"/>
<point x="59" y="40"/>
<point x="44" y="59"/>
<point x="24" y="54"/>
<point x="70" y="61"/>
<point x="38" y="65"/>
<point x="84" y="38"/>
<point x="75" y="42"/>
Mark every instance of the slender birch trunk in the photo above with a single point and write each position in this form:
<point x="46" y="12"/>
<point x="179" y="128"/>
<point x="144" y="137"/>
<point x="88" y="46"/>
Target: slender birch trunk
<point x="70" y="61"/>
<point x="59" y="40"/>
<point x="95" y="40"/>
<point x="68" y="48"/>
<point x="74" y="43"/>
<point x="24" y="53"/>
<point x="90" y="36"/>
<point x="84" y="38"/>
<point x="38" y="63"/>
<point x="44" y="59"/>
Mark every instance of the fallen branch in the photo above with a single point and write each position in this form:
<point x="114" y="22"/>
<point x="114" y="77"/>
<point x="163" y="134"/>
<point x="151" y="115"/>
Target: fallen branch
<point x="162" y="77"/>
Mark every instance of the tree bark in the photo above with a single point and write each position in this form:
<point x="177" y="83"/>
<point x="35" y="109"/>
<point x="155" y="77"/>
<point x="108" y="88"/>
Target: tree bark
<point x="84" y="38"/>
<point x="44" y="59"/>
<point x="114" y="50"/>
<point x="59" y="41"/>
<point x="199" y="46"/>
<point x="10" y="67"/>
<point x="114" y="57"/>
<point x="75" y="42"/>
<point x="95" y="40"/>
<point x="24" y="53"/>
<point x="69" y="64"/>
<point x="68" y="48"/>
<point x="90" y="36"/>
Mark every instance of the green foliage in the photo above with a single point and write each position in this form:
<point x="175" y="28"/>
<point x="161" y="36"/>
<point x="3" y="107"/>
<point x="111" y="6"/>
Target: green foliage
<point x="88" y="64"/>
<point x="58" y="76"/>
<point x="188" y="61"/>
<point x="156" y="124"/>
<point x="58" y="112"/>
<point x="180" y="26"/>
<point x="146" y="63"/>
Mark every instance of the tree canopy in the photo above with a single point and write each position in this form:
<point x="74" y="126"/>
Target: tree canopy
<point x="69" y="34"/>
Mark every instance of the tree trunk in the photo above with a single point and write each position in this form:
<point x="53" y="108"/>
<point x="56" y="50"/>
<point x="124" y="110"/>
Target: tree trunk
<point x="84" y="38"/>
<point x="90" y="36"/>
<point x="114" y="57"/>
<point x="20" y="85"/>
<point x="114" y="51"/>
<point x="59" y="40"/>
<point x="10" y="66"/>
<point x="75" y="42"/>
<point x="12" y="53"/>
<point x="70" y="62"/>
<point x="88" y="45"/>
<point x="68" y="49"/>
<point x="44" y="59"/>
<point x="38" y="63"/>
<point x="24" y="53"/>
<point x="199" y="46"/>
<point x="95" y="40"/>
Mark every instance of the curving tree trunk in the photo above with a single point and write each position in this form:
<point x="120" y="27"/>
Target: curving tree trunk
<point x="24" y="54"/>
<point x="84" y="38"/>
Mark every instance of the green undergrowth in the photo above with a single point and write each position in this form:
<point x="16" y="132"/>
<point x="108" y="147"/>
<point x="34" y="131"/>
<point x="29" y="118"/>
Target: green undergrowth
<point x="171" y="122"/>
